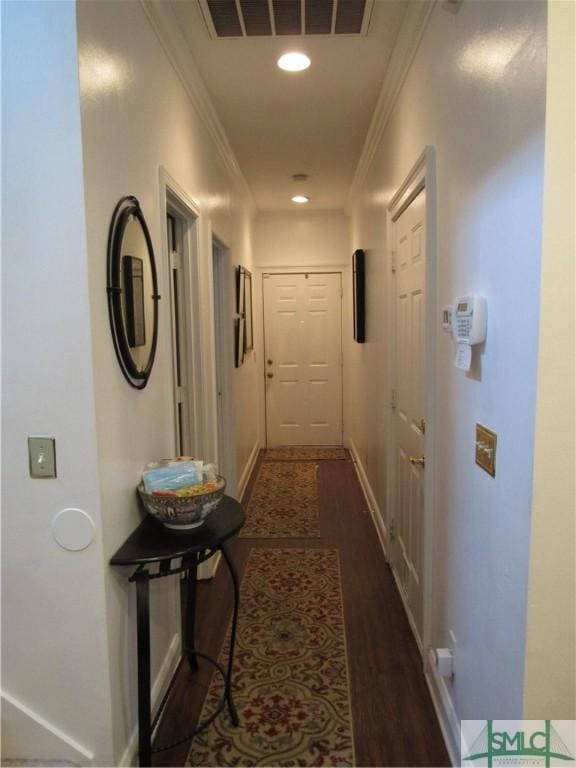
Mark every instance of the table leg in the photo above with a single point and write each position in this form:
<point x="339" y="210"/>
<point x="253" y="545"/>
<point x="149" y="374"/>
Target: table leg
<point x="144" y="708"/>
<point x="236" y="585"/>
<point x="188" y="584"/>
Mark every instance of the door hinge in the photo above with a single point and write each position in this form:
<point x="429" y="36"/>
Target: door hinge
<point x="392" y="529"/>
<point x="393" y="265"/>
<point x="393" y="399"/>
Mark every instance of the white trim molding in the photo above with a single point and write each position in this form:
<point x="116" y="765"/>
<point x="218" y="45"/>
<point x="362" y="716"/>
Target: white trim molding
<point x="164" y="24"/>
<point x="163" y="678"/>
<point x="407" y="43"/>
<point x="373" y="506"/>
<point x="26" y="735"/>
<point x="247" y="471"/>
<point x="447" y="717"/>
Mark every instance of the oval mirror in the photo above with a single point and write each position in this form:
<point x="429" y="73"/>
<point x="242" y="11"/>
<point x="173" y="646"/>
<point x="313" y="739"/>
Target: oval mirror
<point x="132" y="288"/>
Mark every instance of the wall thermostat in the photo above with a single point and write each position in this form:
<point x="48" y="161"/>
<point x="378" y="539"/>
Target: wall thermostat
<point x="470" y="320"/>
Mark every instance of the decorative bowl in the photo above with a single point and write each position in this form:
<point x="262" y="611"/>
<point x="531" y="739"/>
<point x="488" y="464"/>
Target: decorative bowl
<point x="181" y="513"/>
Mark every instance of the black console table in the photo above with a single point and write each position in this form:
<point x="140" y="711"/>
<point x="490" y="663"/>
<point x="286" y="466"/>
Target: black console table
<point x="153" y="549"/>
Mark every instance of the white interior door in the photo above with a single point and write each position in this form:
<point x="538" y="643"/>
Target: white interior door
<point x="410" y="426"/>
<point x="303" y="358"/>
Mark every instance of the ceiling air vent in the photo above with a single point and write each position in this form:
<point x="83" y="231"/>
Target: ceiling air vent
<point x="273" y="18"/>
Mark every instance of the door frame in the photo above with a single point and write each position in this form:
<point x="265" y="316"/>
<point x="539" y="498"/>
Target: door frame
<point x="175" y="201"/>
<point x="258" y="307"/>
<point x="422" y="175"/>
<point x="222" y="298"/>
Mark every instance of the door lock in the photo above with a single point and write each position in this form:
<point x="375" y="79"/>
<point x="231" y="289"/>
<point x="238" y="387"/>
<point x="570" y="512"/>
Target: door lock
<point x="417" y="461"/>
<point x="269" y="362"/>
<point x="270" y="375"/>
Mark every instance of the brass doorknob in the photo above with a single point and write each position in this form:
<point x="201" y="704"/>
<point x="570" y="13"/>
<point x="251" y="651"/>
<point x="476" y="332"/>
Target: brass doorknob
<point x="270" y="375"/>
<point x="417" y="461"/>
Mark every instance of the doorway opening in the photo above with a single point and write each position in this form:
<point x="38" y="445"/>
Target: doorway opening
<point x="182" y="248"/>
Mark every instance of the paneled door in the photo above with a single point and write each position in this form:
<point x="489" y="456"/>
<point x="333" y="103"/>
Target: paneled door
<point x="303" y="358"/>
<point x="409" y="419"/>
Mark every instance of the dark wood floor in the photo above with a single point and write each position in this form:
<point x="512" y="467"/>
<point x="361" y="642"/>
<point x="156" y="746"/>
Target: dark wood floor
<point x="394" y="720"/>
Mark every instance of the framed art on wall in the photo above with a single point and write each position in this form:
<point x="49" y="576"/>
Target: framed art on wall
<point x="240" y="277"/>
<point x="248" y="328"/>
<point x="239" y="341"/>
<point x="359" y="295"/>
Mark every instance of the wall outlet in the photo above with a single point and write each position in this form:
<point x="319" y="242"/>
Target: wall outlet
<point x="444" y="662"/>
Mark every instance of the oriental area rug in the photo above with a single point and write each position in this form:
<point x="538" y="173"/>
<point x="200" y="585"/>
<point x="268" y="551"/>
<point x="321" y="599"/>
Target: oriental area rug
<point x="306" y="453"/>
<point x="290" y="679"/>
<point x="284" y="502"/>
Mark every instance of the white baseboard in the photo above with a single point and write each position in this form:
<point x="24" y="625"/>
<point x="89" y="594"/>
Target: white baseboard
<point x="207" y="569"/>
<point x="163" y="678"/>
<point x="445" y="712"/>
<point x="373" y="506"/>
<point x="247" y="471"/>
<point x="27" y="735"/>
<point x="409" y="616"/>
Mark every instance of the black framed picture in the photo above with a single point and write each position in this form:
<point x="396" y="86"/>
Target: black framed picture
<point x="248" y="328"/>
<point x="359" y="295"/>
<point x="239" y="341"/>
<point x="240" y="277"/>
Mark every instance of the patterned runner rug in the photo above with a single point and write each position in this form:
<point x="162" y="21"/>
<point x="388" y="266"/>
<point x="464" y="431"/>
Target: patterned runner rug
<point x="290" y="671"/>
<point x="284" y="502"/>
<point x="306" y="453"/>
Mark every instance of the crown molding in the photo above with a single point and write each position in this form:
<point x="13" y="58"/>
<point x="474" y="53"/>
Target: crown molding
<point x="408" y="41"/>
<point x="176" y="48"/>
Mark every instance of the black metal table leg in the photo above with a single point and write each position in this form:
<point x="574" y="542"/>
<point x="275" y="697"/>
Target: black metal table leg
<point x="144" y="707"/>
<point x="236" y="584"/>
<point x="189" y="585"/>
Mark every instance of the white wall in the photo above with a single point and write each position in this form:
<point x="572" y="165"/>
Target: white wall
<point x="475" y="92"/>
<point x="301" y="238"/>
<point x="54" y="656"/>
<point x="137" y="117"/>
<point x="550" y="687"/>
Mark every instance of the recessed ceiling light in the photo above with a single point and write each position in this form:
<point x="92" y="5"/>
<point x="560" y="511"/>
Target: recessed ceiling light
<point x="300" y="199"/>
<point x="294" y="62"/>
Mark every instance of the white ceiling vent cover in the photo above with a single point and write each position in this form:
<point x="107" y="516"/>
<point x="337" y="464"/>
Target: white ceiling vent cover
<point x="274" y="18"/>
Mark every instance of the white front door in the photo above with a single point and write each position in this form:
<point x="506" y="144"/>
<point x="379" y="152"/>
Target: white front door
<point x="303" y="358"/>
<point x="410" y="427"/>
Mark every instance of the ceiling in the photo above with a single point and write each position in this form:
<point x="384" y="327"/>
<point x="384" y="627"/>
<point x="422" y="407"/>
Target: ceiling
<point x="279" y="123"/>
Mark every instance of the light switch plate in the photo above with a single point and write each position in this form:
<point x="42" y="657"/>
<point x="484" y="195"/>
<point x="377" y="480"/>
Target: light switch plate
<point x="42" y="457"/>
<point x="486" y="449"/>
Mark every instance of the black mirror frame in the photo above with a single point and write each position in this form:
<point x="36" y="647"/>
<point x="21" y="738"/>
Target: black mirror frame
<point x="128" y="206"/>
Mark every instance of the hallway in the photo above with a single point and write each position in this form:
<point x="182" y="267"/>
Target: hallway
<point x="393" y="718"/>
<point x="465" y="105"/>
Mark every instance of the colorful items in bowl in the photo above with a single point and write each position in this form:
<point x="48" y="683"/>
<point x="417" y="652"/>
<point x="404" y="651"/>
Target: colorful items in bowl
<point x="184" y="508"/>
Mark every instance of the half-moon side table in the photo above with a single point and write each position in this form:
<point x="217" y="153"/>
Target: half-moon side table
<point x="152" y="548"/>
